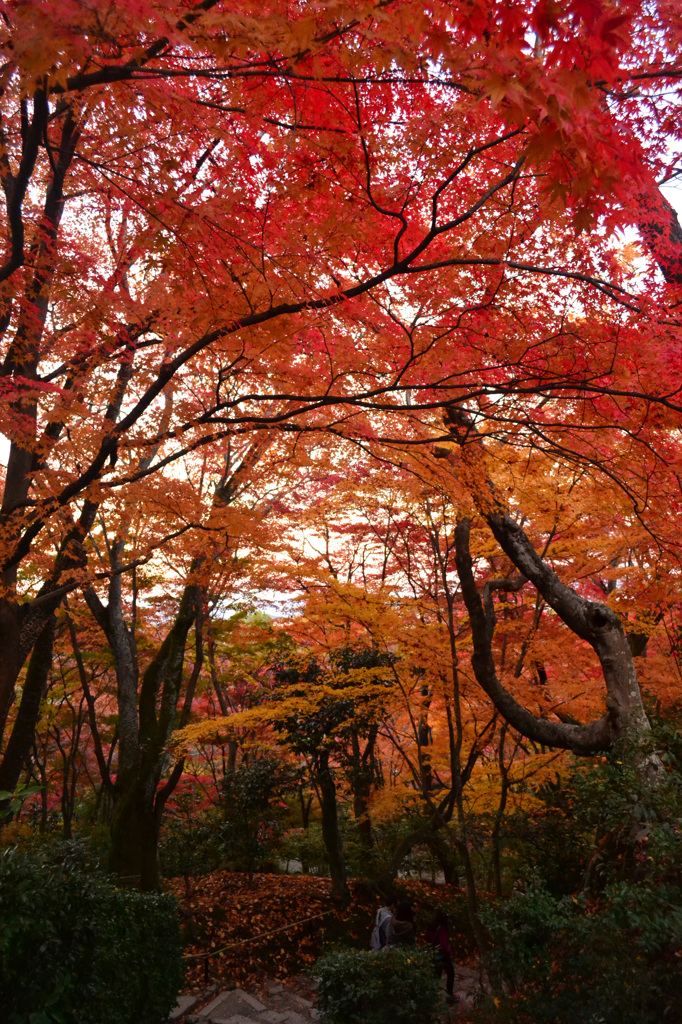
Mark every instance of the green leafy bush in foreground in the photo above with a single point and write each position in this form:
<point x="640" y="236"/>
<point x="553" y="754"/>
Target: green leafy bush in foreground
<point x="395" y="986"/>
<point x="611" y="951"/>
<point x="74" y="949"/>
<point x="615" y="959"/>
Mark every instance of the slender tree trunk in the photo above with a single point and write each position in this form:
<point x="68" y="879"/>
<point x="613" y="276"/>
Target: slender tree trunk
<point x="306" y="804"/>
<point x="362" y="777"/>
<point x="444" y="856"/>
<point x="40" y="769"/>
<point x="330" y="827"/>
<point x="361" y="811"/>
<point x="469" y="876"/>
<point x="499" y="814"/>
<point x="424" y="741"/>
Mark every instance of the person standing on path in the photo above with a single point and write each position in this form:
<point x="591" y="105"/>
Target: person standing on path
<point x="438" y="936"/>
<point x="382" y="922"/>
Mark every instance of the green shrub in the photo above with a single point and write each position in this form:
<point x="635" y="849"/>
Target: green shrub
<point x="74" y="949"/>
<point x="307" y="846"/>
<point x="254" y="810"/>
<point x="580" y="960"/>
<point x="395" y="986"/>
<point x="599" y="821"/>
<point x="191" y="846"/>
<point x="610" y="953"/>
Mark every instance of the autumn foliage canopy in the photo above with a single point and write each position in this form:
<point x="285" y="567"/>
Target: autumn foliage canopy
<point x="373" y="302"/>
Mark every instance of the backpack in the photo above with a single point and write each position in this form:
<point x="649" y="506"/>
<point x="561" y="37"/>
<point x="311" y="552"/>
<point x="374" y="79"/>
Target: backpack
<point x="380" y="930"/>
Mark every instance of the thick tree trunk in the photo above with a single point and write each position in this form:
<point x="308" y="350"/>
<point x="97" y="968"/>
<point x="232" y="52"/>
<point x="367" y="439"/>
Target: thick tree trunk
<point x="623" y="700"/>
<point x="146" y="722"/>
<point x="112" y="622"/>
<point x="21" y="740"/>
<point x="27" y="629"/>
<point x="22" y="624"/>
<point x="135" y="835"/>
<point x="11" y="661"/>
<point x="137" y="808"/>
<point x="660" y="228"/>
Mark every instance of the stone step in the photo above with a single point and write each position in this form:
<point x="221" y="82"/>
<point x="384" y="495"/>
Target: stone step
<point x="184" y="1006"/>
<point x="240" y="1007"/>
<point x="227" y="1005"/>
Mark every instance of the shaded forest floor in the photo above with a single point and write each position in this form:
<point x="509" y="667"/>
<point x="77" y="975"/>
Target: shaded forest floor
<point x="277" y="926"/>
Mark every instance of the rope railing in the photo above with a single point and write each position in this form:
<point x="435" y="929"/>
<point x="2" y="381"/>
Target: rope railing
<point x="254" y="938"/>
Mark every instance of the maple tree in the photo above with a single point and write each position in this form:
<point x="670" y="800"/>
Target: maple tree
<point x="224" y="221"/>
<point x="383" y="573"/>
<point x="331" y="716"/>
<point x="154" y="687"/>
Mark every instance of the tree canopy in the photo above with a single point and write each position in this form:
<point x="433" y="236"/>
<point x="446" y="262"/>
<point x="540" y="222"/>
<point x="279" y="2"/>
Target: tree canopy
<point x="397" y="278"/>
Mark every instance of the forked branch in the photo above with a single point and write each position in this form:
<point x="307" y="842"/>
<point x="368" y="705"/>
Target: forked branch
<point x="591" y="621"/>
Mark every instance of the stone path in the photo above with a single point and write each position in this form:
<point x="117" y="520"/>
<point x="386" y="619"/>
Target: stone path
<point x="468" y="987"/>
<point x="277" y="1004"/>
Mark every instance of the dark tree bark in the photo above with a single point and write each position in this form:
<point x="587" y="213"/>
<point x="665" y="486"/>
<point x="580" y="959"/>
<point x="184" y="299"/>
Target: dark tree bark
<point x="330" y="825"/>
<point x="496" y="854"/>
<point x="138" y="807"/>
<point x="592" y="621"/>
<point x="22" y="623"/>
<point x="148" y="709"/>
<point x="102" y="763"/>
<point x="20" y="743"/>
<point x="361" y="778"/>
<point x="660" y="228"/>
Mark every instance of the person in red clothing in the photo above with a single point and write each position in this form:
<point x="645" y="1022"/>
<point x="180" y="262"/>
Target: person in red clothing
<point x="438" y="936"/>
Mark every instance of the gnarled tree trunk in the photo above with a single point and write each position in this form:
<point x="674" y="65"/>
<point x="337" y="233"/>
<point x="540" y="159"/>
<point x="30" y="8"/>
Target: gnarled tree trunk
<point x="592" y="621"/>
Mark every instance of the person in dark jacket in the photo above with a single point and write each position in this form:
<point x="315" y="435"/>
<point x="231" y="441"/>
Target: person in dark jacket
<point x="438" y="936"/>
<point x="401" y="929"/>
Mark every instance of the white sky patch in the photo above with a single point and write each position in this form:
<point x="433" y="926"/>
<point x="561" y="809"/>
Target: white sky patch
<point x="673" y="193"/>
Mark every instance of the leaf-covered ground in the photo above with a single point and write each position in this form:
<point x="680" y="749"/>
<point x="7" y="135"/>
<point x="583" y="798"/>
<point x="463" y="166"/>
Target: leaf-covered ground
<point x="278" y="925"/>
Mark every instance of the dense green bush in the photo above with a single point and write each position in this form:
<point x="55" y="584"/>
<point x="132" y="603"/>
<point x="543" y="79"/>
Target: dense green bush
<point x="254" y="811"/>
<point x="307" y="846"/>
<point x="599" y="821"/>
<point x="74" y="949"/>
<point x="610" y="953"/>
<point x="395" y="986"/>
<point x="191" y="846"/>
<point x="581" y="960"/>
